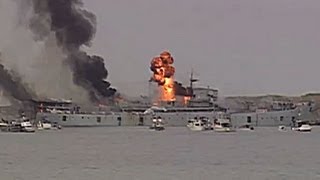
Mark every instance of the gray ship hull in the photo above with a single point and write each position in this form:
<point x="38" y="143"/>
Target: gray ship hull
<point x="79" y="120"/>
<point x="273" y="118"/>
<point x="120" y="119"/>
<point x="175" y="117"/>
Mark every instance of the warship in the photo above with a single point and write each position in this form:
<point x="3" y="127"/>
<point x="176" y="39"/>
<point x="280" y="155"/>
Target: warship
<point x="202" y="103"/>
<point x="174" y="104"/>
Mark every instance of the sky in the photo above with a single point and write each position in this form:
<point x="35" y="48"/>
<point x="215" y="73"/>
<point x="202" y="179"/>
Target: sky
<point x="241" y="47"/>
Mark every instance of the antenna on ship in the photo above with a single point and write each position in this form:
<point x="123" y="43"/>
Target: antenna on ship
<point x="149" y="92"/>
<point x="192" y="80"/>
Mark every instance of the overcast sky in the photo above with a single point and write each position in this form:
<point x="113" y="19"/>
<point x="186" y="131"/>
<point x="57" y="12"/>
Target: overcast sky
<point x="240" y="47"/>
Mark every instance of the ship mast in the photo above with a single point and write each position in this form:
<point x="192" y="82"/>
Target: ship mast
<point x="149" y="93"/>
<point x="192" y="80"/>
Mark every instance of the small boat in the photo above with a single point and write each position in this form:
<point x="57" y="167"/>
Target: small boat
<point x="15" y="126"/>
<point x="55" y="125"/>
<point x="47" y="125"/>
<point x="26" y="126"/>
<point x="3" y="124"/>
<point x="222" y="125"/>
<point x="22" y="124"/>
<point x="157" y="124"/>
<point x="302" y="126"/>
<point x="207" y="124"/>
<point x="282" y="128"/>
<point x="196" y="125"/>
<point x="12" y="127"/>
<point x="200" y="124"/>
<point x="154" y="121"/>
<point x="246" y="127"/>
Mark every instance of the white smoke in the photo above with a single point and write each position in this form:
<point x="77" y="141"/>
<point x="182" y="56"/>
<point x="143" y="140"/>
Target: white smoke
<point x="4" y="101"/>
<point x="39" y="63"/>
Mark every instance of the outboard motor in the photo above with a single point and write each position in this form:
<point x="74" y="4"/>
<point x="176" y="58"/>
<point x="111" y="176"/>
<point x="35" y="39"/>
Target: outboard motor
<point x="119" y="121"/>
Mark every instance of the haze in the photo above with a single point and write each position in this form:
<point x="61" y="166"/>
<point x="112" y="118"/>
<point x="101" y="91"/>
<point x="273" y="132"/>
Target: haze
<point x="241" y="47"/>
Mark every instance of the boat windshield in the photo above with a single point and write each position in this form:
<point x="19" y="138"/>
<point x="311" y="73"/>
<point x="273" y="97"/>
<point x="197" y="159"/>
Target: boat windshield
<point x="225" y="125"/>
<point x="245" y="126"/>
<point x="302" y="123"/>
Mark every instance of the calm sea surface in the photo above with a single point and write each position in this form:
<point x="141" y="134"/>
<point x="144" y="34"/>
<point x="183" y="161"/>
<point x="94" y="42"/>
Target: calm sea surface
<point x="140" y="154"/>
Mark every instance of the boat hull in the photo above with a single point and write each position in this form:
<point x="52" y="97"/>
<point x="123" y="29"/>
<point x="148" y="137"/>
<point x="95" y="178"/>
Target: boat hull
<point x="196" y="128"/>
<point x="223" y="129"/>
<point x="10" y="128"/>
<point x="28" y="129"/>
<point x="303" y="128"/>
<point x="161" y="128"/>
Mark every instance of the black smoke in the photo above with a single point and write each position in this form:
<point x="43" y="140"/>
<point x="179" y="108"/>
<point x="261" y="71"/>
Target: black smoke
<point x="91" y="72"/>
<point x="13" y="85"/>
<point x="75" y="27"/>
<point x="180" y="90"/>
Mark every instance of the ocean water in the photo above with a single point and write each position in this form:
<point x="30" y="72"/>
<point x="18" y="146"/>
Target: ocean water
<point x="137" y="153"/>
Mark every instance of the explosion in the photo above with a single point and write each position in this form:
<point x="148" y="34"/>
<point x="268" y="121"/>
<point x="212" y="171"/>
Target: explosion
<point x="163" y="71"/>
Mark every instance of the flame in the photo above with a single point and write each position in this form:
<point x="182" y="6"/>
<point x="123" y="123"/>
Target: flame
<point x="186" y="99"/>
<point x="163" y="72"/>
<point x="167" y="90"/>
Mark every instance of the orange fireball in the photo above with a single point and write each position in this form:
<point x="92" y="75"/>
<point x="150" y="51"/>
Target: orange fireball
<point x="163" y="72"/>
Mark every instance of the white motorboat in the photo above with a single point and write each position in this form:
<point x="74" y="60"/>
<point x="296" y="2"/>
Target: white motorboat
<point x="196" y="125"/>
<point x="26" y="125"/>
<point x="3" y="125"/>
<point x="200" y="124"/>
<point x="47" y="125"/>
<point x="222" y="125"/>
<point x="44" y="126"/>
<point x="157" y="124"/>
<point x="206" y="122"/>
<point x="302" y="126"/>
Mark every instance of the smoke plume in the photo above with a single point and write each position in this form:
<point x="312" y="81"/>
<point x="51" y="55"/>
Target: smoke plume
<point x="12" y="84"/>
<point x="74" y="27"/>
